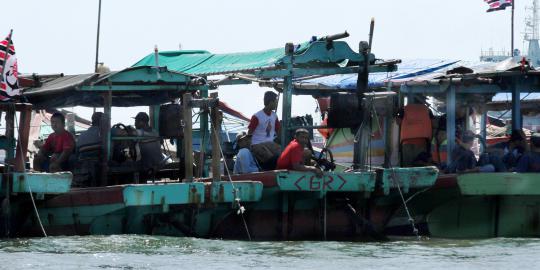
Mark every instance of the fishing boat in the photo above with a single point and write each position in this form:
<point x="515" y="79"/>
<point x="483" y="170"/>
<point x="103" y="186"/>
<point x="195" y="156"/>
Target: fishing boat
<point x="471" y="205"/>
<point x="21" y="190"/>
<point x="176" y="199"/>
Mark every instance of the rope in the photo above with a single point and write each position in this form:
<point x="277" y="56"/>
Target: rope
<point x="396" y="182"/>
<point x="411" y="219"/>
<point x="27" y="182"/>
<point x="241" y="208"/>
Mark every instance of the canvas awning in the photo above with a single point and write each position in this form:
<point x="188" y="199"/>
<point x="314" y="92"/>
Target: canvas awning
<point x="202" y="63"/>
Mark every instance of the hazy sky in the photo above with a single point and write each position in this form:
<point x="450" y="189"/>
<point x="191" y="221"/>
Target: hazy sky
<point x="60" y="36"/>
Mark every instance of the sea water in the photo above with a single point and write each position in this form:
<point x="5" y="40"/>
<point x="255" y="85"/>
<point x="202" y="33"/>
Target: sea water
<point x="152" y="252"/>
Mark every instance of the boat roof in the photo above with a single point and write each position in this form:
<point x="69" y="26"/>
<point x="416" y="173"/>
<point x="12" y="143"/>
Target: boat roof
<point x="135" y="86"/>
<point x="204" y="63"/>
<point x="432" y="76"/>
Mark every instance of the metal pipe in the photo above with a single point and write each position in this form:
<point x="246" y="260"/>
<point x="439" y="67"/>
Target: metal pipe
<point x="371" y="29"/>
<point x="335" y="36"/>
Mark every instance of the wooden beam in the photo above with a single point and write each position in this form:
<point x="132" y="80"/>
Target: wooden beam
<point x="22" y="143"/>
<point x="216" y="146"/>
<point x="105" y="126"/>
<point x="188" y="137"/>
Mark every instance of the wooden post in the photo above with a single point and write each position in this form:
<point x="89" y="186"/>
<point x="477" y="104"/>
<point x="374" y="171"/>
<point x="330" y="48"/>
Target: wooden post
<point x="105" y="137"/>
<point x="70" y="122"/>
<point x="188" y="137"/>
<point x="516" y="106"/>
<point x="287" y="96"/>
<point x="22" y="143"/>
<point x="216" y="152"/>
<point x="450" y="121"/>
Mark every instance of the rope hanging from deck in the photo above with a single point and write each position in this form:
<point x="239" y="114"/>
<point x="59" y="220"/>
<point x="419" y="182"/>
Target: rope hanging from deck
<point x="241" y="208"/>
<point x="27" y="182"/>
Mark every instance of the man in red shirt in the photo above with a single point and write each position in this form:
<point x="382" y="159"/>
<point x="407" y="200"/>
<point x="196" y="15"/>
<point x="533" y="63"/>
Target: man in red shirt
<point x="57" y="147"/>
<point x="292" y="157"/>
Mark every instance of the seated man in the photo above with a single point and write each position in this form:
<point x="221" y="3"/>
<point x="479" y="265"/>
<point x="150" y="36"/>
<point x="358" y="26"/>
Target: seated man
<point x="264" y="126"/>
<point x="150" y="147"/>
<point x="439" y="143"/>
<point x="88" y="149"/>
<point x="514" y="149"/>
<point x="530" y="161"/>
<point x="463" y="158"/>
<point x="53" y="155"/>
<point x="245" y="162"/>
<point x="90" y="139"/>
<point x="292" y="157"/>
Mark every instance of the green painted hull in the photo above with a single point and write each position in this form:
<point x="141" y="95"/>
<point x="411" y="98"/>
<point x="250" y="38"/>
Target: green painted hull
<point x="19" y="190"/>
<point x="278" y="205"/>
<point x="490" y="205"/>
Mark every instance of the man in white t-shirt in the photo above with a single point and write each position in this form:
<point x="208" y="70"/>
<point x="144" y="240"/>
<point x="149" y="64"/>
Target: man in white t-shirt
<point x="264" y="127"/>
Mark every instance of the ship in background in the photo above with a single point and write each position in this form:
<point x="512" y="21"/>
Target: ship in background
<point x="531" y="36"/>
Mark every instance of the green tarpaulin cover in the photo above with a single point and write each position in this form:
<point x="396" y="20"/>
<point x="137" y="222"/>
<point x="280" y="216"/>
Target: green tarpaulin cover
<point x="204" y="63"/>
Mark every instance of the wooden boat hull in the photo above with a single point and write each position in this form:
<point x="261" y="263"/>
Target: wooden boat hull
<point x="280" y="205"/>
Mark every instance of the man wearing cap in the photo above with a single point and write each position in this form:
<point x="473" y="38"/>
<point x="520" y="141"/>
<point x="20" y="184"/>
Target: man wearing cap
<point x="292" y="157"/>
<point x="245" y="163"/>
<point x="264" y="127"/>
<point x="530" y="161"/>
<point x="57" y="147"/>
<point x="149" y="144"/>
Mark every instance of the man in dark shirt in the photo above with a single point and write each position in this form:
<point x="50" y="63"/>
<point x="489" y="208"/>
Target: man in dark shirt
<point x="463" y="159"/>
<point x="149" y="144"/>
<point x="530" y="162"/>
<point x="90" y="140"/>
<point x="515" y="148"/>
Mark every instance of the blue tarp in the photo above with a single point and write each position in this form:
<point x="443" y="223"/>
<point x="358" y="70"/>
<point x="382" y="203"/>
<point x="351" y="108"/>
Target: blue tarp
<point x="413" y="70"/>
<point x="407" y="69"/>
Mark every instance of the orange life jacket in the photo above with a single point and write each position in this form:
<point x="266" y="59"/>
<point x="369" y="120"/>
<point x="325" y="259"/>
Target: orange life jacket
<point x="416" y="125"/>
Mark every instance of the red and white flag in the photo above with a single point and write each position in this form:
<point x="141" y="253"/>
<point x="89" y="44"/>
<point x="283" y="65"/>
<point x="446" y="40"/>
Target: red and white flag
<point x="9" y="79"/>
<point x="495" y="5"/>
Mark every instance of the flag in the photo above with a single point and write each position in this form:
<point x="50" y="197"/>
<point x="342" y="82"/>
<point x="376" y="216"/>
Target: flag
<point x="9" y="79"/>
<point x="495" y="5"/>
